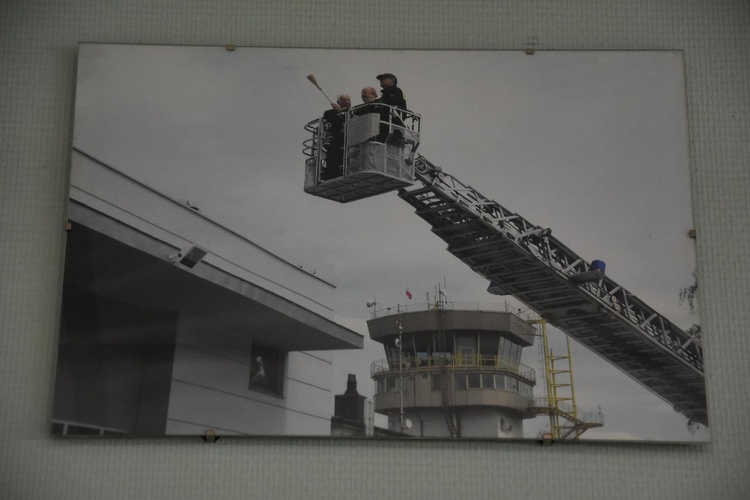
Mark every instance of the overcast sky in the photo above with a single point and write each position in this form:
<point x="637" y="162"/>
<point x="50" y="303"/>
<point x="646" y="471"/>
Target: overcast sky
<point x="590" y="144"/>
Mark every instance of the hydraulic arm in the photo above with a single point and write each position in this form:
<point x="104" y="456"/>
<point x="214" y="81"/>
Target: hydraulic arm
<point x="524" y="260"/>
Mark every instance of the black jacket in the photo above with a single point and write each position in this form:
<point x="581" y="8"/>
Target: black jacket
<point x="393" y="96"/>
<point x="335" y="119"/>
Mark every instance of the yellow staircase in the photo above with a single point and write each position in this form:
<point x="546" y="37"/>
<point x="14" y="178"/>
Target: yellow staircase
<point x="566" y="421"/>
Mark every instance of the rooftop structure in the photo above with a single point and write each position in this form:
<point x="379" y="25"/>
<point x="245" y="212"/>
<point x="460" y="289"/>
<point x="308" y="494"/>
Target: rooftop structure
<point x="174" y="324"/>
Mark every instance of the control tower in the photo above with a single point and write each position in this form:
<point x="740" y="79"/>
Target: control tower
<point x="453" y="373"/>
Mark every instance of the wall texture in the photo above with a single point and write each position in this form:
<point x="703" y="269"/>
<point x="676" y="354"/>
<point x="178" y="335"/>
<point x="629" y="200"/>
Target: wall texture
<point x="38" y="41"/>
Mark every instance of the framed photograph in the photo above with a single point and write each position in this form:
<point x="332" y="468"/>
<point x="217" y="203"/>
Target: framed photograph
<point x="380" y="244"/>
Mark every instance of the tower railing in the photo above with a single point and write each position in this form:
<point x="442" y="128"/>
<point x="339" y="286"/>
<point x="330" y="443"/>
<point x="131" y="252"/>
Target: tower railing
<point x="445" y="305"/>
<point x="478" y="363"/>
<point x="589" y="417"/>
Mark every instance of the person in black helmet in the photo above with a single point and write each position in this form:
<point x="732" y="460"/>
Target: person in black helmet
<point x="393" y="96"/>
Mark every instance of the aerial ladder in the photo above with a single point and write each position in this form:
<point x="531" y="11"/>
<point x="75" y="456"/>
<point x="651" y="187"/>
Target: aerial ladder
<point x="517" y="257"/>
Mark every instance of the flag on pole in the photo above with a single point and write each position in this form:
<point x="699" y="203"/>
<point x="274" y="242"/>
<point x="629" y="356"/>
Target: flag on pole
<point x="408" y="294"/>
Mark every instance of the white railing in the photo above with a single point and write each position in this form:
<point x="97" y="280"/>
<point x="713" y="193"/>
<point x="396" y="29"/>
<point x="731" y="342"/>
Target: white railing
<point x="446" y="305"/>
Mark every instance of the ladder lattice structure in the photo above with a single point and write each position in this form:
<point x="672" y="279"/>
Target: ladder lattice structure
<point x="445" y="376"/>
<point x="566" y="419"/>
<point x="524" y="260"/>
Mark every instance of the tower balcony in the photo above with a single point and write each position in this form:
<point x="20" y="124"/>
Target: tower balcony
<point x="466" y="381"/>
<point x="455" y="363"/>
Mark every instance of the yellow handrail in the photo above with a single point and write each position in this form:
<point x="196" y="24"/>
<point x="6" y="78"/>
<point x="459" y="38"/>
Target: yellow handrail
<point x="467" y="362"/>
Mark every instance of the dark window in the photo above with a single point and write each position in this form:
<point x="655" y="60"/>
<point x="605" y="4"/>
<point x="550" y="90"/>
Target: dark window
<point x="513" y="384"/>
<point x="467" y="349"/>
<point x="390" y="384"/>
<point x="524" y="390"/>
<point x="488" y="344"/>
<point x="437" y="380"/>
<point x="267" y="370"/>
<point x="459" y="381"/>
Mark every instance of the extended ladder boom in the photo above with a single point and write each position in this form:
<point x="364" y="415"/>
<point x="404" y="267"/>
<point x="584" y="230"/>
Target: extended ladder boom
<point x="524" y="260"/>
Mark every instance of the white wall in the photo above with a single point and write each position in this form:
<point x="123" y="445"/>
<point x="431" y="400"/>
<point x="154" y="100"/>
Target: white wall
<point x="209" y="388"/>
<point x="37" y="67"/>
<point x="473" y="422"/>
<point x="490" y="422"/>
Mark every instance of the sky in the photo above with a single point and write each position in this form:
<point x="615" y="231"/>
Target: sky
<point x="593" y="145"/>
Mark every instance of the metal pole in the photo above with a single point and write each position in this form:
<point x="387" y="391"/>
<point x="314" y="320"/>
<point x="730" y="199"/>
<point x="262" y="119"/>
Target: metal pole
<point x="400" y="375"/>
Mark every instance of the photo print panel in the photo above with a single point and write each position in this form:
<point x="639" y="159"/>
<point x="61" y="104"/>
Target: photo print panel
<point x="380" y="243"/>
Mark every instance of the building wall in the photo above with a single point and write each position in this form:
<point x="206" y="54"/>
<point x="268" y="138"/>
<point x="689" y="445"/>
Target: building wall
<point x="210" y="387"/>
<point x="483" y="422"/>
<point x="38" y="42"/>
<point x="487" y="423"/>
<point x="114" y="365"/>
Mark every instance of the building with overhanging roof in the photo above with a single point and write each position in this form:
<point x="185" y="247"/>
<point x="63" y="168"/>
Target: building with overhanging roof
<point x="174" y="324"/>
